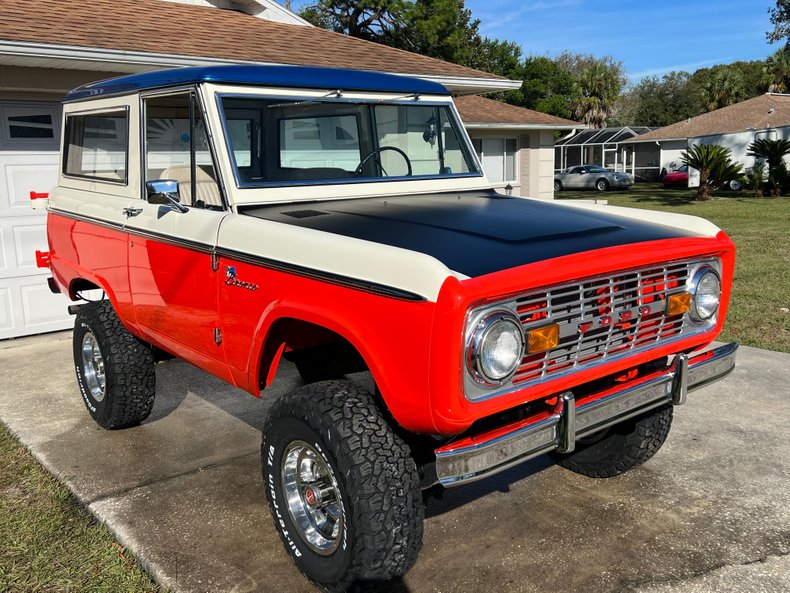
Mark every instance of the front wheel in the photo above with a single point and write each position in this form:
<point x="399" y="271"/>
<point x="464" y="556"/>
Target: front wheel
<point x="115" y="370"/>
<point x="621" y="447"/>
<point x="557" y="186"/>
<point x="343" y="489"/>
<point x="602" y="185"/>
<point x="735" y="185"/>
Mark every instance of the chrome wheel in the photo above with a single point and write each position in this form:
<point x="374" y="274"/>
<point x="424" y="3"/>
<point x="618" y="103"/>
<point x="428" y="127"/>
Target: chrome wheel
<point x="93" y="367"/>
<point x="313" y="497"/>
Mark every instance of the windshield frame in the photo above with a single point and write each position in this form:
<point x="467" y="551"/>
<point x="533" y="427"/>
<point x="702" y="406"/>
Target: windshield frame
<point x="465" y="143"/>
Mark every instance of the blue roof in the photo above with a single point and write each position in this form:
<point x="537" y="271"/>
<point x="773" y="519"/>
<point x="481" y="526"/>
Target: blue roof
<point x="276" y="76"/>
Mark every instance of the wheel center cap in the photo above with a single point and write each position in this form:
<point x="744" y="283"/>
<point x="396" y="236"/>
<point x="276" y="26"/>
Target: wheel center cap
<point x="311" y="496"/>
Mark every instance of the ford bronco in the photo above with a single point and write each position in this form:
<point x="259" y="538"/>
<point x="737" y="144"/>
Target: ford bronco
<point x="236" y="216"/>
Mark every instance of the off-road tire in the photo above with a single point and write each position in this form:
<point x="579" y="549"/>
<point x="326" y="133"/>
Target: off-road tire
<point x="623" y="447"/>
<point x="602" y="185"/>
<point x="128" y="368"/>
<point x="557" y="186"/>
<point x="377" y="478"/>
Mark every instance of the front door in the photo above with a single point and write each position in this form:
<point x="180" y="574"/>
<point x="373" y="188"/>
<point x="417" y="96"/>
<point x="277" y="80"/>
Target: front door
<point x="174" y="286"/>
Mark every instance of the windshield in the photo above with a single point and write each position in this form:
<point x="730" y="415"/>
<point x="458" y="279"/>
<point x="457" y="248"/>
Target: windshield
<point x="276" y="141"/>
<point x="595" y="169"/>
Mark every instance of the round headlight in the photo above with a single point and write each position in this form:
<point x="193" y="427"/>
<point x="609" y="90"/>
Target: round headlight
<point x="496" y="348"/>
<point x="706" y="292"/>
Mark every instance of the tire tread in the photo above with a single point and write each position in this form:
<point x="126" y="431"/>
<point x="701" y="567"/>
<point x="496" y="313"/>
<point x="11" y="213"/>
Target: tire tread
<point x="379" y="474"/>
<point x="129" y="363"/>
<point x="637" y="446"/>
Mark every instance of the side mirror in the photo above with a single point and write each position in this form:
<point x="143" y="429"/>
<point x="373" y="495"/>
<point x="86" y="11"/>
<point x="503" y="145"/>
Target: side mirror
<point x="165" y="192"/>
<point x="583" y="172"/>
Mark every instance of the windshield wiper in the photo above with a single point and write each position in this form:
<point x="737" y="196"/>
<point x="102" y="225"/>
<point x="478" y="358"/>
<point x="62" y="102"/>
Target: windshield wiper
<point x="330" y="95"/>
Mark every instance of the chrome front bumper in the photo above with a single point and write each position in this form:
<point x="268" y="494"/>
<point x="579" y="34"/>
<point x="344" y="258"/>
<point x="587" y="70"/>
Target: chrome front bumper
<point x="558" y="432"/>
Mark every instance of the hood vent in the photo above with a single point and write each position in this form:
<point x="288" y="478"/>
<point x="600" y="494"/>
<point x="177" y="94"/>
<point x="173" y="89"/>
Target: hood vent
<point x="304" y="213"/>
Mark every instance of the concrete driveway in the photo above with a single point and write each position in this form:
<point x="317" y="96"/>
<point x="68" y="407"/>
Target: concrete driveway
<point x="711" y="512"/>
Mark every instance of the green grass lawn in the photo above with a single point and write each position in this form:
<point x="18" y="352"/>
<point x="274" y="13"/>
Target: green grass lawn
<point x="760" y="228"/>
<point x="49" y="543"/>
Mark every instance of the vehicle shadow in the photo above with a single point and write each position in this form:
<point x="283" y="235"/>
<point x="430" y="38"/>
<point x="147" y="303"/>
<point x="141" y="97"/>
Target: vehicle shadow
<point x="452" y="498"/>
<point x="177" y="379"/>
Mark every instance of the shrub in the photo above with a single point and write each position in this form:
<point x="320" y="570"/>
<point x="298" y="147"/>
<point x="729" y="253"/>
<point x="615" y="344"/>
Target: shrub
<point x="714" y="165"/>
<point x="773" y="152"/>
<point x="755" y="178"/>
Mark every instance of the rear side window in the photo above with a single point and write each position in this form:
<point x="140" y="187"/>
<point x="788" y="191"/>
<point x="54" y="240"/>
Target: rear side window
<point x="96" y="146"/>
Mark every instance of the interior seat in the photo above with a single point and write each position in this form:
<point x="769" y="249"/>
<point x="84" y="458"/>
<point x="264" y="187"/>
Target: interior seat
<point x="206" y="187"/>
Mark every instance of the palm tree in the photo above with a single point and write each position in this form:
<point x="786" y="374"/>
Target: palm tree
<point x="726" y="88"/>
<point x="596" y="90"/>
<point x="776" y="72"/>
<point x="714" y="165"/>
<point x="774" y="153"/>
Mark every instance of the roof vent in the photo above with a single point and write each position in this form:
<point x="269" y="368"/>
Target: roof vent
<point x="771" y="110"/>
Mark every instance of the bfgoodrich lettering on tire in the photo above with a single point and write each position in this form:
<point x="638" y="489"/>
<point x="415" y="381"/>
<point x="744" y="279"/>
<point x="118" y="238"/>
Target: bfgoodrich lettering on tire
<point x="622" y="447"/>
<point x="115" y="370"/>
<point x="343" y="489"/>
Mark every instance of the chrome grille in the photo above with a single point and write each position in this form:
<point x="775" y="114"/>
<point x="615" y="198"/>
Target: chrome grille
<point x="603" y="317"/>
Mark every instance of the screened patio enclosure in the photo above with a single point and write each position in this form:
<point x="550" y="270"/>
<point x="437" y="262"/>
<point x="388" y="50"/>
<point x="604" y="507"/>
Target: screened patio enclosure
<point x="604" y="147"/>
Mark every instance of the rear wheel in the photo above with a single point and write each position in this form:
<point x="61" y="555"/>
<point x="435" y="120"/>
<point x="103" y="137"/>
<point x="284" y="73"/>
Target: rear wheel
<point x="343" y="488"/>
<point x="602" y="185"/>
<point x="735" y="185"/>
<point x="557" y="186"/>
<point x="620" y="448"/>
<point x="115" y="370"/>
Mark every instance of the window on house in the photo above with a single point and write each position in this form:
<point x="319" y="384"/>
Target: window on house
<point x="96" y="146"/>
<point x="36" y="124"/>
<point x="498" y="156"/>
<point x="327" y="141"/>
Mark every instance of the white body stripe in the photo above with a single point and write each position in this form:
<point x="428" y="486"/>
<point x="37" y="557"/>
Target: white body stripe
<point x="693" y="224"/>
<point x="326" y="252"/>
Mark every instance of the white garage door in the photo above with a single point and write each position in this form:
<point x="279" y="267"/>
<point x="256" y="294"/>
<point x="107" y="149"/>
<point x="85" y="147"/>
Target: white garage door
<point x="29" y="137"/>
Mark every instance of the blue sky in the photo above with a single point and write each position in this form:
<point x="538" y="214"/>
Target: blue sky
<point x="649" y="37"/>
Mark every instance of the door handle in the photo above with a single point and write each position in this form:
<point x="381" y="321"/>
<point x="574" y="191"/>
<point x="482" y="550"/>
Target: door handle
<point x="132" y="212"/>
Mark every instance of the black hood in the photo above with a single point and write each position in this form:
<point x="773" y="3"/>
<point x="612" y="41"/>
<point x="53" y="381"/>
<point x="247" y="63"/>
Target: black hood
<point x="474" y="233"/>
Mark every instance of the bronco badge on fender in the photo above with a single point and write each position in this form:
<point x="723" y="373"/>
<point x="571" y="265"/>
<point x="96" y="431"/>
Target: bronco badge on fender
<point x="231" y="280"/>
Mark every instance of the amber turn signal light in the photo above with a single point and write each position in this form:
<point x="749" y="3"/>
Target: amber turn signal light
<point x="543" y="338"/>
<point x="677" y="304"/>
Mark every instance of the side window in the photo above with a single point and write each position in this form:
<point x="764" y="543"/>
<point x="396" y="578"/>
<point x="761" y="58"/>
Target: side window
<point x="177" y="148"/>
<point x="97" y="146"/>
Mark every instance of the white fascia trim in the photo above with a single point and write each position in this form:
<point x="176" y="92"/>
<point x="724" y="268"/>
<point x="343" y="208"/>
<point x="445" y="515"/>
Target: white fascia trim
<point x="651" y="140"/>
<point x="75" y="52"/>
<point x="489" y="126"/>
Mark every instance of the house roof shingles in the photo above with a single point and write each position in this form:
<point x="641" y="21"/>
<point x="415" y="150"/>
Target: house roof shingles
<point x="156" y="26"/>
<point x="479" y="110"/>
<point x="765" y="111"/>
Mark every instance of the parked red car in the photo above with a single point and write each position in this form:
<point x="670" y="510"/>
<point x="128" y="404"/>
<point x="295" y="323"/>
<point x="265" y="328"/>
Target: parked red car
<point x="679" y="178"/>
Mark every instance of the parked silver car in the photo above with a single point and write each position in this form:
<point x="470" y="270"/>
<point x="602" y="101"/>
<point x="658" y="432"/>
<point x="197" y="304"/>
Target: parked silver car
<point x="591" y="177"/>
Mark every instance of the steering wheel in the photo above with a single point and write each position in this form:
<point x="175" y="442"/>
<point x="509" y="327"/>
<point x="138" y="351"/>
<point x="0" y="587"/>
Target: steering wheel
<point x="377" y="151"/>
